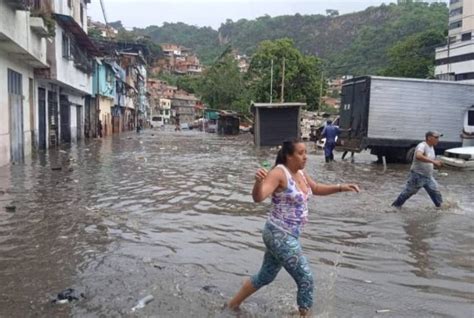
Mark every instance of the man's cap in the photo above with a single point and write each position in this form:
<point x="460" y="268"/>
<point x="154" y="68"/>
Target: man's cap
<point x="433" y="133"/>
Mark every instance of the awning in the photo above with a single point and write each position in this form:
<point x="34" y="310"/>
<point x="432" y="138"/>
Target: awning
<point x="81" y="37"/>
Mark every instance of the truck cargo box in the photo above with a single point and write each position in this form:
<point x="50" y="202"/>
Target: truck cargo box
<point x="390" y="116"/>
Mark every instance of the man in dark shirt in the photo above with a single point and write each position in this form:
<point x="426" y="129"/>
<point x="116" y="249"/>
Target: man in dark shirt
<point x="330" y="132"/>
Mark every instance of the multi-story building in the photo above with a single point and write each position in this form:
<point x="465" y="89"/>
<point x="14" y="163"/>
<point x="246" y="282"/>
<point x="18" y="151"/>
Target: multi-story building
<point x="183" y="106"/>
<point x="22" y="50"/>
<point x="65" y="86"/>
<point x="165" y="109"/>
<point x="455" y="61"/>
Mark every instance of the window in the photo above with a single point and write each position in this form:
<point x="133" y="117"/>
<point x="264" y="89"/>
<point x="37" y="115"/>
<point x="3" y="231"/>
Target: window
<point x="14" y="83"/>
<point x="69" y="3"/>
<point x="453" y="1"/>
<point x="82" y="14"/>
<point x="470" y="118"/>
<point x="464" y="76"/>
<point x="455" y="59"/>
<point x="455" y="12"/>
<point x="455" y="25"/>
<point x="466" y="36"/>
<point x="66" y="47"/>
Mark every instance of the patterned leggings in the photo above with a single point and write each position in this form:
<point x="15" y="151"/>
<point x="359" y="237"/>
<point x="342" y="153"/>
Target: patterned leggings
<point x="284" y="250"/>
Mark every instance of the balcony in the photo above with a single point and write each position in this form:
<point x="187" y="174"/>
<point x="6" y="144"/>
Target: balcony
<point x="22" y="5"/>
<point x="37" y="26"/>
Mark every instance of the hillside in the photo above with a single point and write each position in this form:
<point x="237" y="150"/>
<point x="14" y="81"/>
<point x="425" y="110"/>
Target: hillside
<point x="354" y="43"/>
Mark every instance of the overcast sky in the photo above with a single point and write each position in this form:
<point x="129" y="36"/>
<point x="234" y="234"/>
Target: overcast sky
<point x="142" y="13"/>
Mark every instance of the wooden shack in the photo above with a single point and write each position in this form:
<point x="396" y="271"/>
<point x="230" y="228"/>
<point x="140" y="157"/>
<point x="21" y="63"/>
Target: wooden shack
<point x="276" y="122"/>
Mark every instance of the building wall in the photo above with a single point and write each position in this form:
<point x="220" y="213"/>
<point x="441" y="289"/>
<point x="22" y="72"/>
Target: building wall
<point x="65" y="70"/>
<point x="8" y="62"/>
<point x="15" y="25"/>
<point x="468" y="15"/>
<point x="455" y="61"/>
<point x="461" y="15"/>
<point x="105" y="106"/>
<point x="103" y="81"/>
<point x="62" y="7"/>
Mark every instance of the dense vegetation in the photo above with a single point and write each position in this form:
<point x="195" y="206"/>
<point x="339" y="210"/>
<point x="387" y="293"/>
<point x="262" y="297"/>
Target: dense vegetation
<point x="357" y="43"/>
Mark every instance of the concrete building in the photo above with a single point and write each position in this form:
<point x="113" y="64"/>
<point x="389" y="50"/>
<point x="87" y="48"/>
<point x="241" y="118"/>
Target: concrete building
<point x="22" y="50"/>
<point x="455" y="61"/>
<point x="65" y="87"/>
<point x="183" y="105"/>
<point x="165" y="109"/>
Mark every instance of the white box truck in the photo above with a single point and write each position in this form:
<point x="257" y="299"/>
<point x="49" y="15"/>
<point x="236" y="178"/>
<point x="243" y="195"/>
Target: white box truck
<point x="390" y="116"/>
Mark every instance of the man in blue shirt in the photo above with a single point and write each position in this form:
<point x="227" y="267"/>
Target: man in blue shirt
<point x="330" y="132"/>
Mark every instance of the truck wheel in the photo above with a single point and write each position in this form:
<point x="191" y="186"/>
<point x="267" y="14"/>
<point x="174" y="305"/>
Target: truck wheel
<point x="410" y="154"/>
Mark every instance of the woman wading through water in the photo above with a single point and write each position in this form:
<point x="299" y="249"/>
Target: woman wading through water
<point x="290" y="188"/>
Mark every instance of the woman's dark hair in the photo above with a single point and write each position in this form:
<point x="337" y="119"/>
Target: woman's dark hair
<point x="287" y="149"/>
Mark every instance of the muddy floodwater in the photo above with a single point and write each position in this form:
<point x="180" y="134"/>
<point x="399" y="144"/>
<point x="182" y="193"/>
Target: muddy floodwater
<point x="170" y="215"/>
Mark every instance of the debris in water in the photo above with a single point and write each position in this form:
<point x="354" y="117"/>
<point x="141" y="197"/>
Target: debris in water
<point x="10" y="208"/>
<point x="56" y="168"/>
<point x="143" y="302"/>
<point x="66" y="296"/>
<point x="381" y="311"/>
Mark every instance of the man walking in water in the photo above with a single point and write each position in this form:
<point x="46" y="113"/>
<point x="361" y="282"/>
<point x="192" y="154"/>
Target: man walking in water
<point x="330" y="132"/>
<point x="421" y="172"/>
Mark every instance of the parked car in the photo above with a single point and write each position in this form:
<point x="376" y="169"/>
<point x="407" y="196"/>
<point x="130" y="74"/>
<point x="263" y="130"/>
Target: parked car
<point x="157" y="121"/>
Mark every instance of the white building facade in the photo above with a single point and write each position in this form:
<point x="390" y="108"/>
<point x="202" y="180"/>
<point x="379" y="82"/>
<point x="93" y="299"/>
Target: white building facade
<point x="455" y="61"/>
<point x="65" y="87"/>
<point x="22" y="50"/>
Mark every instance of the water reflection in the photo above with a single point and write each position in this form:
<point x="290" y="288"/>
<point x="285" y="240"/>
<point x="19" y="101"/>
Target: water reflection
<point x="421" y="230"/>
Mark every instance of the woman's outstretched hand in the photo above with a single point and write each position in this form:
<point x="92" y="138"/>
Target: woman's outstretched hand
<point x="349" y="187"/>
<point x="260" y="175"/>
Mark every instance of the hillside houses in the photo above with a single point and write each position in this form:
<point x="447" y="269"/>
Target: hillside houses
<point x="178" y="60"/>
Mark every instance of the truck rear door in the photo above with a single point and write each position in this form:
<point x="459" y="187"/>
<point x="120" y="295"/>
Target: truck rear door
<point x="354" y="113"/>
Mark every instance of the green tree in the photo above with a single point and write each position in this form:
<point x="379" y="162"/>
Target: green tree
<point x="222" y="85"/>
<point x="189" y="83"/>
<point x="301" y="77"/>
<point x="414" y="56"/>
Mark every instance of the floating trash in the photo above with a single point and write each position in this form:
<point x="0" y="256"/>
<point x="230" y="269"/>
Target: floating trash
<point x="143" y="302"/>
<point x="266" y="164"/>
<point x="381" y="311"/>
<point x="67" y="296"/>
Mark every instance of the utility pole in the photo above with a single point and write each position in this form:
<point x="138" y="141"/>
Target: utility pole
<point x="271" y="82"/>
<point x="105" y="18"/>
<point x="320" y="91"/>
<point x="283" y="83"/>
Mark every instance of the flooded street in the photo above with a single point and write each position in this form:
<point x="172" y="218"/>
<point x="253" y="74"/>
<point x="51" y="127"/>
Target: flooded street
<point x="171" y="215"/>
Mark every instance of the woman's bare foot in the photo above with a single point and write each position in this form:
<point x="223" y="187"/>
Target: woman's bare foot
<point x="304" y="312"/>
<point x="245" y="291"/>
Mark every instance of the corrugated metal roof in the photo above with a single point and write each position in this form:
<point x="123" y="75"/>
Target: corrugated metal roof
<point x="276" y="105"/>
